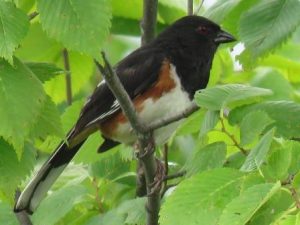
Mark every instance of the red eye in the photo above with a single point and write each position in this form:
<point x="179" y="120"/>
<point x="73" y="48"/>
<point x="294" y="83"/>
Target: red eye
<point x="202" y="30"/>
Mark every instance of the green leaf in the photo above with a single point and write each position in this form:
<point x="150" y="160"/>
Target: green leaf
<point x="273" y="209"/>
<point x="278" y="164"/>
<point x="282" y="89"/>
<point x="48" y="121"/>
<point x="12" y="169"/>
<point x="201" y="197"/>
<point x="134" y="211"/>
<point x="109" y="166"/>
<point x="241" y="209"/>
<point x="206" y="158"/>
<point x="268" y="24"/>
<point x="44" y="71"/>
<point x="22" y="97"/>
<point x="287" y="123"/>
<point x="258" y="153"/>
<point x="14" y="25"/>
<point x="109" y="218"/>
<point x="253" y="125"/>
<point x="80" y="31"/>
<point x="60" y="202"/>
<point x="295" y="151"/>
<point x="219" y="97"/>
<point x="211" y="119"/>
<point x="191" y="124"/>
<point x="132" y="9"/>
<point x="7" y="215"/>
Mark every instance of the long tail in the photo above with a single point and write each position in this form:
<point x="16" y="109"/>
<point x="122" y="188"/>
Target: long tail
<point x="38" y="187"/>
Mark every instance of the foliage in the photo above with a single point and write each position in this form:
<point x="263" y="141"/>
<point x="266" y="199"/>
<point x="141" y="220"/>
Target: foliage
<point x="241" y="151"/>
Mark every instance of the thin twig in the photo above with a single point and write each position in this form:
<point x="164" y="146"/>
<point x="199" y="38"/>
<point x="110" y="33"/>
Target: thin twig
<point x="175" y="175"/>
<point x="190" y="7"/>
<point x="231" y="136"/>
<point x="163" y="122"/>
<point x="22" y="216"/>
<point x="166" y="160"/>
<point x="148" y="24"/>
<point x="32" y="15"/>
<point x="199" y="8"/>
<point x="68" y="76"/>
<point x="296" y="197"/>
<point x="145" y="142"/>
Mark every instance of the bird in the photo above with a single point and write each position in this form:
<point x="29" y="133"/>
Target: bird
<point x="161" y="79"/>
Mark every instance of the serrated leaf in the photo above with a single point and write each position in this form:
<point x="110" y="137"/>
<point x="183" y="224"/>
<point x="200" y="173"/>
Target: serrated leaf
<point x="258" y="153"/>
<point x="240" y="210"/>
<point x="13" y="170"/>
<point x="287" y="123"/>
<point x="19" y="107"/>
<point x="68" y="22"/>
<point x="201" y="197"/>
<point x="222" y="96"/>
<point x="278" y="164"/>
<point x="48" y="121"/>
<point x="60" y="202"/>
<point x="44" y="71"/>
<point x="210" y="120"/>
<point x="206" y="158"/>
<point x="253" y="125"/>
<point x="269" y="23"/>
<point x="14" y="25"/>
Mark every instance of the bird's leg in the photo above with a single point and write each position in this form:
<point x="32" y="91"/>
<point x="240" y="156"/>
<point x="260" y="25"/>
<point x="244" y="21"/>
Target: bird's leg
<point x="156" y="185"/>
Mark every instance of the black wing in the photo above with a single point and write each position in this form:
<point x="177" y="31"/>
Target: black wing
<point x="137" y="72"/>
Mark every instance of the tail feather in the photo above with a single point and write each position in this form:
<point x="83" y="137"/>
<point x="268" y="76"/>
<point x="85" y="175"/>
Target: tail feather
<point x="38" y="187"/>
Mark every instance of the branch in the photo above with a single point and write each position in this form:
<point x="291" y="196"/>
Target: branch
<point x="31" y="16"/>
<point x="148" y="23"/>
<point x="68" y="76"/>
<point x="22" y="216"/>
<point x="163" y="122"/>
<point x="190" y="7"/>
<point x="145" y="142"/>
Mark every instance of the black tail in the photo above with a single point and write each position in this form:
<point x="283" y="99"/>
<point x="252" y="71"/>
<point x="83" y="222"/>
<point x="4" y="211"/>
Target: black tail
<point x="38" y="187"/>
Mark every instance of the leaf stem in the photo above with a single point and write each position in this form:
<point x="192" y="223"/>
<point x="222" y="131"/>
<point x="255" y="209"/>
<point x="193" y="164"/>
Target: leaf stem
<point x="67" y="76"/>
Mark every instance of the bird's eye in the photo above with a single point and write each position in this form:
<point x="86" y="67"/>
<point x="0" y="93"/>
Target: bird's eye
<point x="202" y="30"/>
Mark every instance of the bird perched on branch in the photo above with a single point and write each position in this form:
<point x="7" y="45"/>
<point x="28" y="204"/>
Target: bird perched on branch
<point x="161" y="79"/>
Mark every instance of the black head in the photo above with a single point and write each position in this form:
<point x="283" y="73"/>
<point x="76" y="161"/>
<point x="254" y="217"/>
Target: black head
<point x="191" y="30"/>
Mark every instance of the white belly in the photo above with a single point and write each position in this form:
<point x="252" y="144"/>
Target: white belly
<point x="169" y="104"/>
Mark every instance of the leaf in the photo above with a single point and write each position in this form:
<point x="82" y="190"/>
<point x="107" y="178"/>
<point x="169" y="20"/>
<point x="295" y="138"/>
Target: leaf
<point x="278" y="164"/>
<point x="12" y="169"/>
<point x="211" y="119"/>
<point x="60" y="202"/>
<point x="14" y="25"/>
<point x="241" y="209"/>
<point x="19" y="107"/>
<point x="206" y="158"/>
<point x="201" y="197"/>
<point x="68" y="22"/>
<point x="109" y="167"/>
<point x="134" y="211"/>
<point x="273" y="209"/>
<point x="295" y="162"/>
<point x="268" y="24"/>
<point x="48" y="121"/>
<point x="258" y="153"/>
<point x="287" y="123"/>
<point x="132" y="9"/>
<point x="7" y="215"/>
<point x="191" y="124"/>
<point x="44" y="71"/>
<point x="109" y="218"/>
<point x="219" y="97"/>
<point x="253" y="125"/>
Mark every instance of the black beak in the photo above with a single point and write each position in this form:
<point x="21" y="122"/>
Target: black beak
<point x="224" y="37"/>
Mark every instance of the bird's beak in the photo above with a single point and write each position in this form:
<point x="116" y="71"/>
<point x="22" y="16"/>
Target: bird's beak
<point x="224" y="37"/>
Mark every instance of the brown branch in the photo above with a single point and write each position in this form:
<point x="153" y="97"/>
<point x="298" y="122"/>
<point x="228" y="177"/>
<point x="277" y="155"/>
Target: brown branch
<point x="231" y="136"/>
<point x="175" y="175"/>
<point x="68" y="76"/>
<point x="190" y="7"/>
<point x="145" y="142"/>
<point x="163" y="122"/>
<point x="148" y="24"/>
<point x="32" y="15"/>
<point x="22" y="216"/>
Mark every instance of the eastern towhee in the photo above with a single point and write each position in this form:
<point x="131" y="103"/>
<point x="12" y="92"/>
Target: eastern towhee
<point x="161" y="78"/>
